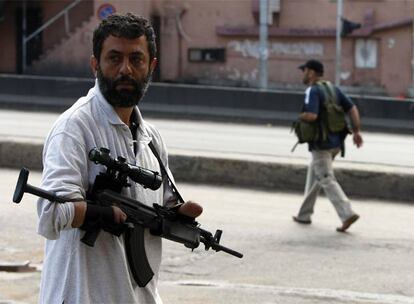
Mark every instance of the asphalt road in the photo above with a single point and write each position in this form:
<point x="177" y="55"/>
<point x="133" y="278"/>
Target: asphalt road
<point x="283" y="262"/>
<point x="228" y="139"/>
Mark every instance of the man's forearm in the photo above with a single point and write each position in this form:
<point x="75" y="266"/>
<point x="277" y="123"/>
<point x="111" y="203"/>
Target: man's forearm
<point x="308" y="116"/>
<point x="80" y="211"/>
<point x="84" y="213"/>
<point x="355" y="119"/>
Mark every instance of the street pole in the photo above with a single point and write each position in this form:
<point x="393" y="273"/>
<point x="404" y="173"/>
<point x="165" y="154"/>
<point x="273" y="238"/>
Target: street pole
<point x="339" y="13"/>
<point x="411" y="90"/>
<point x="24" y="42"/>
<point x="263" y="53"/>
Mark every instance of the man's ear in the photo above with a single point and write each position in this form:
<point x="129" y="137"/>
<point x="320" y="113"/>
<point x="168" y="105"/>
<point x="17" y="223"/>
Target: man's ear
<point x="313" y="73"/>
<point x="94" y="65"/>
<point x="153" y="64"/>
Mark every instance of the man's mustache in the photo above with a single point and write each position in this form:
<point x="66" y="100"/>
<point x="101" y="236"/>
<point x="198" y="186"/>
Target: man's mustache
<point x="126" y="80"/>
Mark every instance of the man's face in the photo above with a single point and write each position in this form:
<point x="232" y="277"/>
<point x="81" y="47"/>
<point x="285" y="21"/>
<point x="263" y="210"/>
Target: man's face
<point x="124" y="70"/>
<point x="306" y="76"/>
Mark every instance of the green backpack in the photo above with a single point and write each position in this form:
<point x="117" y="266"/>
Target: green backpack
<point x="306" y="131"/>
<point x="333" y="117"/>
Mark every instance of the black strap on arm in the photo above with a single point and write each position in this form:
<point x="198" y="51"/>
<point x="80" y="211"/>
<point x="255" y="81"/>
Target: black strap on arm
<point x="165" y="173"/>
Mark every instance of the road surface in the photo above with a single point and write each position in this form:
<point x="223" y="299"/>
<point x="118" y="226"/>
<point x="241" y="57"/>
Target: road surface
<point x="283" y="262"/>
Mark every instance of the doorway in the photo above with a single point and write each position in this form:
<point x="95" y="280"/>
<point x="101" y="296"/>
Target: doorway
<point x="34" y="20"/>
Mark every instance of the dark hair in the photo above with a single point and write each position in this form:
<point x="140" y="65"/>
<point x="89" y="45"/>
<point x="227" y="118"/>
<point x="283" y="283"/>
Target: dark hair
<point x="126" y="26"/>
<point x="314" y="65"/>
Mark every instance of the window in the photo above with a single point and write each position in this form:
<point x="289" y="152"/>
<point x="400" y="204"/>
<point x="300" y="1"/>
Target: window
<point x="366" y="53"/>
<point x="207" y="55"/>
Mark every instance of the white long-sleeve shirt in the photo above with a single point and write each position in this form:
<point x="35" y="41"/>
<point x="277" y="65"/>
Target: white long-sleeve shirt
<point x="72" y="271"/>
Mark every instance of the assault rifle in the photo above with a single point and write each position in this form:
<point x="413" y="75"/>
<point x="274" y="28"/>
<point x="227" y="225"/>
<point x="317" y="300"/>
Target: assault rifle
<point x="161" y="221"/>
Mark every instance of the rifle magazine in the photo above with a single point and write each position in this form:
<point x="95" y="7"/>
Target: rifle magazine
<point x="137" y="256"/>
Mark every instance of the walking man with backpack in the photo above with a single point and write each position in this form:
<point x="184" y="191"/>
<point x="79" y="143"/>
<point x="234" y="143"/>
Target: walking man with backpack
<point x="325" y="107"/>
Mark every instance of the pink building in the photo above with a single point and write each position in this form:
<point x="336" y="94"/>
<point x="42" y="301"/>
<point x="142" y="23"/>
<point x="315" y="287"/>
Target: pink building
<point x="217" y="42"/>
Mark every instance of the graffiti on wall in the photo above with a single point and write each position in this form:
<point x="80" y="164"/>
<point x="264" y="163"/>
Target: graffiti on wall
<point x="249" y="48"/>
<point x="233" y="73"/>
<point x="230" y="73"/>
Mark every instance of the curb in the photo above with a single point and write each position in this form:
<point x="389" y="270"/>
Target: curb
<point x="357" y="181"/>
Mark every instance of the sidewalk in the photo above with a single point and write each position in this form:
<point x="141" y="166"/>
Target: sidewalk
<point x="256" y="156"/>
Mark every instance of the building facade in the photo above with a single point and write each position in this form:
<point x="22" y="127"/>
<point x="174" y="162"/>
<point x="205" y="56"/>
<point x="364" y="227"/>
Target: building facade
<point x="217" y="41"/>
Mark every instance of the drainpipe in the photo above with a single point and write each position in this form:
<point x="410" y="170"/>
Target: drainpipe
<point x="24" y="26"/>
<point x="181" y="34"/>
<point x="339" y="9"/>
<point x="411" y="89"/>
<point x="263" y="52"/>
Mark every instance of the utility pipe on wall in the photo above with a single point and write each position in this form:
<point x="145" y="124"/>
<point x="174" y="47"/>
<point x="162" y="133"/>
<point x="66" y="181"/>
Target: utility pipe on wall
<point x="339" y="14"/>
<point x="263" y="45"/>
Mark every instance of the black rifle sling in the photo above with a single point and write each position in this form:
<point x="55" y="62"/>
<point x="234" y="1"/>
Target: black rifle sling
<point x="165" y="173"/>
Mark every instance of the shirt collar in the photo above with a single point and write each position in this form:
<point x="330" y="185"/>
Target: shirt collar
<point x="142" y="133"/>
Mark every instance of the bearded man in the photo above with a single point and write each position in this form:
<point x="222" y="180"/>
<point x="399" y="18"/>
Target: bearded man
<point x="124" y="57"/>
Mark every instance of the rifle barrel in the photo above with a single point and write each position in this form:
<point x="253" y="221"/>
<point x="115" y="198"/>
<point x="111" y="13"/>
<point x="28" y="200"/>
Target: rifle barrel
<point x="228" y="250"/>
<point x="217" y="247"/>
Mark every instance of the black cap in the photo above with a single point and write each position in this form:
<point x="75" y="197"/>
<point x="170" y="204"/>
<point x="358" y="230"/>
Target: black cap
<point x="313" y="64"/>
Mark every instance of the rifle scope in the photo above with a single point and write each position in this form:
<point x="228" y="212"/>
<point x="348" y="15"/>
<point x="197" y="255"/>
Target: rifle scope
<point x="147" y="178"/>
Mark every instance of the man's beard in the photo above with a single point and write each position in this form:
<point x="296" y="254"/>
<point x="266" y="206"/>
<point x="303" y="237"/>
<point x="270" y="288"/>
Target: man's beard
<point x="123" y="98"/>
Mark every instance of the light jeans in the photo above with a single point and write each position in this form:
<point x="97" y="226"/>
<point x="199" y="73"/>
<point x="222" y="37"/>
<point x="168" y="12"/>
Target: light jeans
<point x="321" y="175"/>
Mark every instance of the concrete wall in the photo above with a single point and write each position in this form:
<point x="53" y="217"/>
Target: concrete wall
<point x="304" y="29"/>
<point x="396" y="55"/>
<point x="287" y="51"/>
<point x="203" y="102"/>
